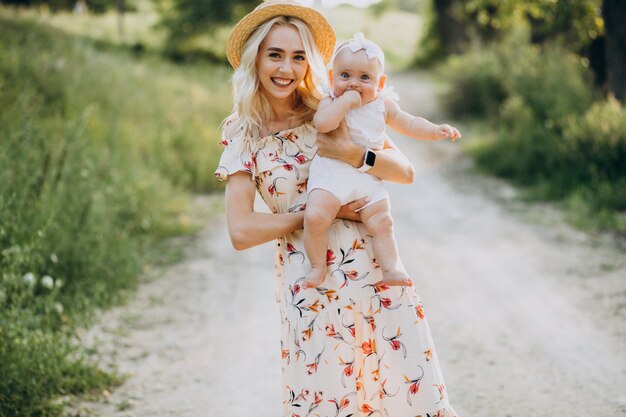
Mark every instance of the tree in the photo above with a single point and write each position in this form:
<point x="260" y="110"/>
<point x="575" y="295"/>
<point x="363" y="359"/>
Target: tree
<point x="614" y="14"/>
<point x="576" y="23"/>
<point x="187" y="19"/>
<point x="96" y="6"/>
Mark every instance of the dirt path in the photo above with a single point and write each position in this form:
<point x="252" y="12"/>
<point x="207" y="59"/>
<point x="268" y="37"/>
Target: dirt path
<point x="527" y="314"/>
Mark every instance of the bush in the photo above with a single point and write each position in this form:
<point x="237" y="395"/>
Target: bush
<point x="551" y="80"/>
<point x="594" y="148"/>
<point x="524" y="149"/>
<point x="549" y="133"/>
<point x="477" y="87"/>
<point x="541" y="88"/>
<point x="36" y="367"/>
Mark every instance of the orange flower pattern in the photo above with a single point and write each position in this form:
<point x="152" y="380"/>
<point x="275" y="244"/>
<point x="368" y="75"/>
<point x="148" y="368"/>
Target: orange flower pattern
<point x="352" y="346"/>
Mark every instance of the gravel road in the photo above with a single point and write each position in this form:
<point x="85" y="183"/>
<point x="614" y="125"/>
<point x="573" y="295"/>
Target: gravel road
<point x="528" y="315"/>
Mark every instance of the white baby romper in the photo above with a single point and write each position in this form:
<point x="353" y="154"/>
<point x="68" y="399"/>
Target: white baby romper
<point x="366" y="124"/>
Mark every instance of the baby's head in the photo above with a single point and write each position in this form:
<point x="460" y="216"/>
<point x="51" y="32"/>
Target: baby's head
<point x="358" y="64"/>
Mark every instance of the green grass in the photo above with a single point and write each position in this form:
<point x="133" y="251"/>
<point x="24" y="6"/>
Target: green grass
<point x="100" y="151"/>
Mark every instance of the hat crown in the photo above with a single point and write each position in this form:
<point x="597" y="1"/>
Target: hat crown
<point x="321" y="30"/>
<point x="268" y="3"/>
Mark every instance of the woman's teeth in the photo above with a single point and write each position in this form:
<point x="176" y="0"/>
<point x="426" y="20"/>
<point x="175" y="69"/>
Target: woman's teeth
<point x="281" y="82"/>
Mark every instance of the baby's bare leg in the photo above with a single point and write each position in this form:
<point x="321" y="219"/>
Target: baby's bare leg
<point x="378" y="221"/>
<point x="321" y="210"/>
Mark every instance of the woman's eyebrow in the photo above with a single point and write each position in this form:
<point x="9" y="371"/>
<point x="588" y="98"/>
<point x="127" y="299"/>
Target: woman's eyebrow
<point x="275" y="49"/>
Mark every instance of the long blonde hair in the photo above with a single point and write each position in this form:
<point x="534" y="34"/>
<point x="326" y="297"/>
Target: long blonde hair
<point x="251" y="108"/>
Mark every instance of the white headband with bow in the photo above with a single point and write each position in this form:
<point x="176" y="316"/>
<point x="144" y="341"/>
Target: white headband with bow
<point x="360" y="43"/>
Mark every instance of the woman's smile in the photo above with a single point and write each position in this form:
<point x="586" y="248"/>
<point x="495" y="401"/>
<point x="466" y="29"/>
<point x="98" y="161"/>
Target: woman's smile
<point x="282" y="82"/>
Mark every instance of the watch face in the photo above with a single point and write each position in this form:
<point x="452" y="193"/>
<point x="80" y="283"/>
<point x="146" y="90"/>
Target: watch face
<point x="370" y="158"/>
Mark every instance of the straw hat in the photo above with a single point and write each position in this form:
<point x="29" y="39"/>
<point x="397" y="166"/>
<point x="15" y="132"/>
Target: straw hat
<point x="320" y="28"/>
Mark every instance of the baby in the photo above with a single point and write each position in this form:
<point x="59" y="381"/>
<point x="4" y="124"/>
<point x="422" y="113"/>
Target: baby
<point x="358" y="95"/>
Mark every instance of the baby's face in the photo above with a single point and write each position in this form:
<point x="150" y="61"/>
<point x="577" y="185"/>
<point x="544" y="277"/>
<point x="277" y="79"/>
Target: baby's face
<point x="355" y="71"/>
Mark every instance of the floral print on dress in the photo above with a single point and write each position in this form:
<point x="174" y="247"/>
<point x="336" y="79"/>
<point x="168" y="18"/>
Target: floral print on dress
<point x="352" y="346"/>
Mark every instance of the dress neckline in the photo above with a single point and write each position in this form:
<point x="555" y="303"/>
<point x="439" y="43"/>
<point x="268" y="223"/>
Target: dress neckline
<point x="272" y="135"/>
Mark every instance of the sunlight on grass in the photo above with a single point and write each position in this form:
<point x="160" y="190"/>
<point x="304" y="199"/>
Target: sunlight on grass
<point x="139" y="25"/>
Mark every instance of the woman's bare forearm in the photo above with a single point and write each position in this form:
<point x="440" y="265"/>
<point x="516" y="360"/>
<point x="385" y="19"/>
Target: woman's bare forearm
<point x="257" y="228"/>
<point x="248" y="228"/>
<point x="391" y="164"/>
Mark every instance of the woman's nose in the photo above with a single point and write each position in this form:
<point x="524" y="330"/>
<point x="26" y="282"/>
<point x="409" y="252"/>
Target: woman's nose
<point x="285" y="66"/>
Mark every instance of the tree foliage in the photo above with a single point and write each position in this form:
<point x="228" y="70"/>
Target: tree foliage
<point x="186" y="19"/>
<point x="576" y="23"/>
<point x="411" y="6"/>
<point x="96" y="6"/>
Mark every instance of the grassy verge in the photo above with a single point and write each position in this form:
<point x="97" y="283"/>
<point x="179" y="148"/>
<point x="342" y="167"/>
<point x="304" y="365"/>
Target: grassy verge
<point x="545" y="128"/>
<point x="99" y="151"/>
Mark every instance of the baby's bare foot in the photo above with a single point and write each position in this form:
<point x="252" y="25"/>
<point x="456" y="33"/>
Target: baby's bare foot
<point x="396" y="277"/>
<point x="314" y="278"/>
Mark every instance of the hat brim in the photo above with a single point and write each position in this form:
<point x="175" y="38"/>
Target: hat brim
<point x="323" y="33"/>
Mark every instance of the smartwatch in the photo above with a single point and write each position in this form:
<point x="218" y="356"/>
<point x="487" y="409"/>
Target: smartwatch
<point x="369" y="159"/>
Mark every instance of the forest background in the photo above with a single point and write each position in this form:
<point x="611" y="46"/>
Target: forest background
<point x="109" y="115"/>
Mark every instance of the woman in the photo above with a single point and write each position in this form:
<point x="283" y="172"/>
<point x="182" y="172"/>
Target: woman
<point x="352" y="346"/>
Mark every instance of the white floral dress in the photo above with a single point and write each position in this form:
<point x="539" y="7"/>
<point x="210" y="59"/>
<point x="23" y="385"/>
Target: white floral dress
<point x="353" y="346"/>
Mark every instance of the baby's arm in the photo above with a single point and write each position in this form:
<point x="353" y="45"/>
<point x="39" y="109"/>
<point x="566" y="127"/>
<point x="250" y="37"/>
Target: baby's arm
<point x="331" y="112"/>
<point x="417" y="127"/>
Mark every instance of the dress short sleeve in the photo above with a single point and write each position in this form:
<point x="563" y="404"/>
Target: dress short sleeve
<point x="234" y="158"/>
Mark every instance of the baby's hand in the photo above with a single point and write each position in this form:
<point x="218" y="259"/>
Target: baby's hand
<point x="446" y="131"/>
<point x="353" y="97"/>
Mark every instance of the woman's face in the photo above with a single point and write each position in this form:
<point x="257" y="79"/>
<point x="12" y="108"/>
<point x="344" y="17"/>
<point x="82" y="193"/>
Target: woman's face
<point x="281" y="63"/>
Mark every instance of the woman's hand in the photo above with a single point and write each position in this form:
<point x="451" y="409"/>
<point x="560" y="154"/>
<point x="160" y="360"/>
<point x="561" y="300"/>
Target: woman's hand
<point x="338" y="144"/>
<point x="348" y="211"/>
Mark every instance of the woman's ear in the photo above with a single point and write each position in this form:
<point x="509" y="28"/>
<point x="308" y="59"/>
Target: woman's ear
<point x="381" y="82"/>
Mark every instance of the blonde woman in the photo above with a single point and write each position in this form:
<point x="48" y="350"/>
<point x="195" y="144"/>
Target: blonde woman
<point x="354" y="346"/>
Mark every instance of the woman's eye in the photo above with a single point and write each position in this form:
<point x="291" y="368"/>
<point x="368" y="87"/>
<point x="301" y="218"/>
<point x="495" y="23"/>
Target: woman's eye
<point x="274" y="55"/>
<point x="300" y="58"/>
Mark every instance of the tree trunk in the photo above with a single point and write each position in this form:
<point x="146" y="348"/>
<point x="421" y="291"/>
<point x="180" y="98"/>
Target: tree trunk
<point x="449" y="26"/>
<point x="120" y="6"/>
<point x="614" y="15"/>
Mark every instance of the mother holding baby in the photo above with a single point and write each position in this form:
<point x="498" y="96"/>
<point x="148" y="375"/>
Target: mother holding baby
<point x="353" y="345"/>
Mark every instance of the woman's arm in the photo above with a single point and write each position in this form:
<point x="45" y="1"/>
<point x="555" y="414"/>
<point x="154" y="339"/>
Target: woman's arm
<point x="391" y="164"/>
<point x="248" y="228"/>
